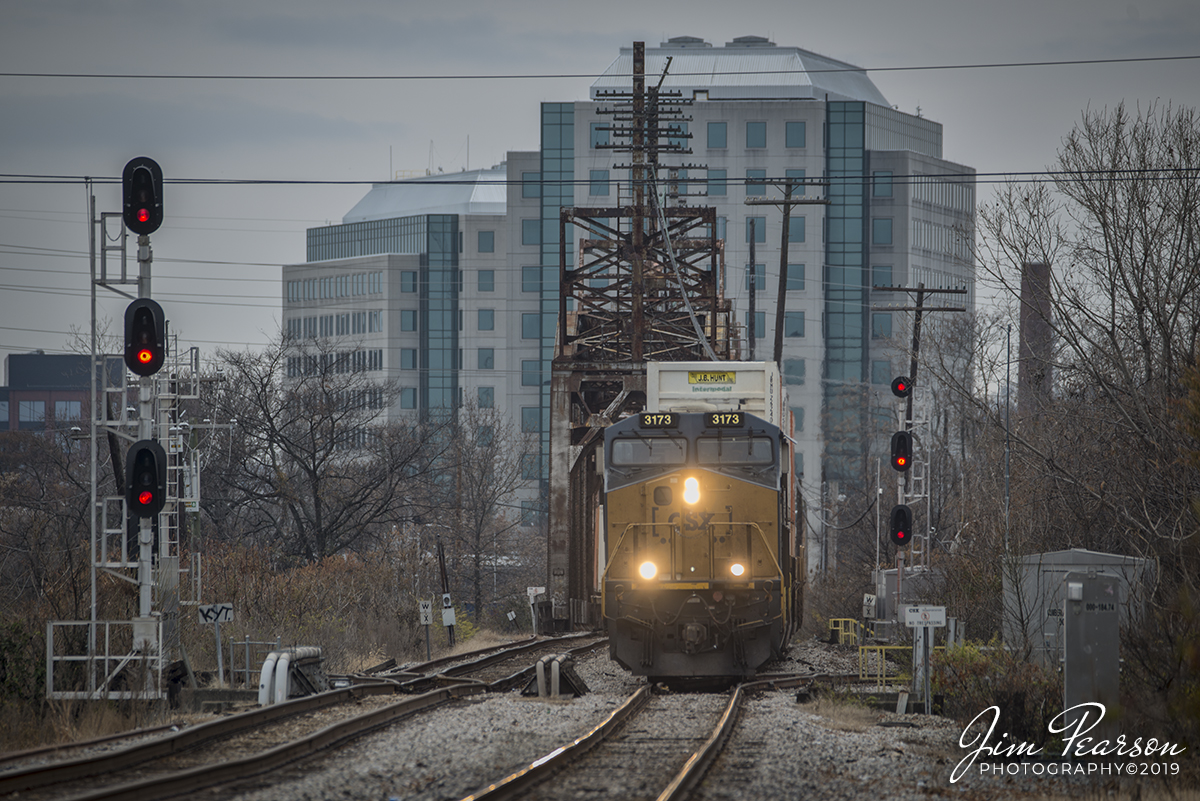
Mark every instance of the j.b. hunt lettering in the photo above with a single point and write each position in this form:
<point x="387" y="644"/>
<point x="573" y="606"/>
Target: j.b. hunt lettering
<point x="1073" y="727"/>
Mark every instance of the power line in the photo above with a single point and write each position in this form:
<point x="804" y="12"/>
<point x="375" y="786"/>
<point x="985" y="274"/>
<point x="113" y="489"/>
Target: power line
<point x="1018" y="176"/>
<point x="517" y="76"/>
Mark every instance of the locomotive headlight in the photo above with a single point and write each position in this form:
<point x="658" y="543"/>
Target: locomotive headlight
<point x="648" y="570"/>
<point x="737" y="569"/>
<point x="691" y="490"/>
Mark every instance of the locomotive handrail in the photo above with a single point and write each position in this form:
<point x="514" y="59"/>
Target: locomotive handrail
<point x="621" y="539"/>
<point x="711" y="551"/>
<point x="758" y="529"/>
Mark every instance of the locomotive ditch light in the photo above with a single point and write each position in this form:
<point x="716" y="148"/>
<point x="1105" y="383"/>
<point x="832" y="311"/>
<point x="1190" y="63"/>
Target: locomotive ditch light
<point x="691" y="489"/>
<point x="648" y="570"/>
<point x="737" y="569"/>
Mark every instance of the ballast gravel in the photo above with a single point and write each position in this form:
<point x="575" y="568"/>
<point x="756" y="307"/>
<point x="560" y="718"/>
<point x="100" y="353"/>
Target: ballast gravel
<point x="780" y="750"/>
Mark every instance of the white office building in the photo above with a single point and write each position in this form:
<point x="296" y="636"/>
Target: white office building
<point x="450" y="282"/>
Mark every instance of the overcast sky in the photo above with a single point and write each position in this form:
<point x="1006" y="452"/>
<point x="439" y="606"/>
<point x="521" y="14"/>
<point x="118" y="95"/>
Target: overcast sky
<point x="218" y="254"/>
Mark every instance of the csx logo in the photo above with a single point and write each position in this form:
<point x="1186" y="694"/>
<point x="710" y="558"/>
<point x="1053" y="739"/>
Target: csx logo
<point x="692" y="521"/>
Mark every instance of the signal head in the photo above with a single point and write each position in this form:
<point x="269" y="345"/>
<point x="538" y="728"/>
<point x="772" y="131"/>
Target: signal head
<point x="145" y="337"/>
<point x="145" y="478"/>
<point x="902" y="451"/>
<point x="901" y="525"/>
<point x="901" y="386"/>
<point x="141" y="190"/>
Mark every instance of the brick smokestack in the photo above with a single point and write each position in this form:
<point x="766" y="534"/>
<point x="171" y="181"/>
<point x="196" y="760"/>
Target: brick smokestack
<point x="1035" y="373"/>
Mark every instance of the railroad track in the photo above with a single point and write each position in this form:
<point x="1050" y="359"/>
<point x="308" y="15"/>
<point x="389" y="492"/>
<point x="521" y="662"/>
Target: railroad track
<point x="261" y="740"/>
<point x="651" y="747"/>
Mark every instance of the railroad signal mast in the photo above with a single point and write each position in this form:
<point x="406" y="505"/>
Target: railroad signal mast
<point x="911" y="484"/>
<point x="135" y="534"/>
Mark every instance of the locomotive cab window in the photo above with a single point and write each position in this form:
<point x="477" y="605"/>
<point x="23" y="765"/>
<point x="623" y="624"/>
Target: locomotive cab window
<point x="643" y="451"/>
<point x="735" y="450"/>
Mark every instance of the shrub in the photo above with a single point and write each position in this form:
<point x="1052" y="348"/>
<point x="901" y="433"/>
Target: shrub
<point x="974" y="677"/>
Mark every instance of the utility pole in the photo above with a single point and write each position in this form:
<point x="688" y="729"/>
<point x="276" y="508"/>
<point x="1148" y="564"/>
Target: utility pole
<point x="787" y="202"/>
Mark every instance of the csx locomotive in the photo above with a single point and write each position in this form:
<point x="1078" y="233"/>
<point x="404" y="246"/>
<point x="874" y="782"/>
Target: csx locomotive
<point x="703" y="575"/>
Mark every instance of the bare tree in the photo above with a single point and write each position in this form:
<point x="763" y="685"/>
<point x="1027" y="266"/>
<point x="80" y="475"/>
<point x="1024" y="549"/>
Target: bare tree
<point x="314" y="466"/>
<point x="482" y="472"/>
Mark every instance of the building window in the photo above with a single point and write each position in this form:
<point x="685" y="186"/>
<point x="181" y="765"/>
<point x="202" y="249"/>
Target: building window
<point x="31" y="411"/>
<point x="759" y="274"/>
<point x="531" y="373"/>
<point x="882" y="274"/>
<point x="717" y="135"/>
<point x="599" y="133"/>
<point x="598" y="182"/>
<point x="755" y="182"/>
<point x="66" y="410"/>
<point x="881" y="372"/>
<point x="486" y="319"/>
<point x="795" y="278"/>
<point x="793" y="371"/>
<point x="759" y="224"/>
<point x="760" y="325"/>
<point x="408" y="281"/>
<point x="881" y="325"/>
<point x="797" y="419"/>
<point x="408" y="397"/>
<point x="716" y="182"/>
<point x="793" y="324"/>
<point x="882" y="183"/>
<point x="881" y="230"/>
<point x="797" y="177"/>
<point x="794" y="134"/>
<point x="677" y="134"/>
<point x="408" y="358"/>
<point x="487" y="358"/>
<point x="756" y="134"/>
<point x="487" y="241"/>
<point x="487" y="397"/>
<point x="796" y="229"/>
<point x="530" y="326"/>
<point x="531" y="232"/>
<point x="487" y="280"/>
<point x="531" y="419"/>
<point x="529" y="466"/>
<point x="531" y="184"/>
<point x="408" y="320"/>
<point x="531" y="279"/>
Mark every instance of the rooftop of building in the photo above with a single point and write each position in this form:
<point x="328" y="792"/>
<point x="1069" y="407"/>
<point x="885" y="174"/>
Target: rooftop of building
<point x="747" y="68"/>
<point x="467" y="192"/>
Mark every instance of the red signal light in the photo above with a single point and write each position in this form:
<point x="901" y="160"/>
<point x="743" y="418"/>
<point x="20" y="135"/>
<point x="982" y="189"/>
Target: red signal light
<point x="145" y="497"/>
<point x="901" y="386"/>
<point x="145" y="355"/>
<point x="902" y="450"/>
<point x="901" y="524"/>
<point x="143" y="215"/>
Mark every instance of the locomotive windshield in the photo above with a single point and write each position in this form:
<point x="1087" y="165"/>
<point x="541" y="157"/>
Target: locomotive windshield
<point x="735" y="450"/>
<point x="631" y="452"/>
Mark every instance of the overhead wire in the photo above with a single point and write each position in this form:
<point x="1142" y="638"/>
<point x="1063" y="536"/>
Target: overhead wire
<point x="589" y="75"/>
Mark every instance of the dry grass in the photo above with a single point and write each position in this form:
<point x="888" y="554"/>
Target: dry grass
<point x="841" y="715"/>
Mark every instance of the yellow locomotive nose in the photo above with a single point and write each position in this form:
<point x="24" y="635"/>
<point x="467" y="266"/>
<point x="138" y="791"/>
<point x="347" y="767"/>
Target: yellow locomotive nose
<point x="691" y="490"/>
